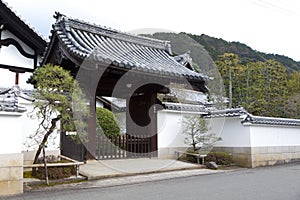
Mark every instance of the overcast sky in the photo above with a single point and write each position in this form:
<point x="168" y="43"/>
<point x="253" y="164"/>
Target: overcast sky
<point x="270" y="26"/>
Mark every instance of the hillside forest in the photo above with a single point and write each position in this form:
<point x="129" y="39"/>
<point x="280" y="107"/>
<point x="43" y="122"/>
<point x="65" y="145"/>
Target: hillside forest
<point x="264" y="84"/>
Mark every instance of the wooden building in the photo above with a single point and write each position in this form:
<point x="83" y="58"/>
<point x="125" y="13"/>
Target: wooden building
<point x="108" y="62"/>
<point x="21" y="47"/>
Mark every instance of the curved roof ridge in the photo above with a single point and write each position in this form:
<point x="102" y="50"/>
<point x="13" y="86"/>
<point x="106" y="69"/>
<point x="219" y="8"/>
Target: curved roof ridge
<point x="113" y="33"/>
<point x="77" y="40"/>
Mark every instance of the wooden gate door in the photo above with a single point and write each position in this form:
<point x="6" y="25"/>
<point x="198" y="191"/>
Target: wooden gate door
<point x="123" y="146"/>
<point x="71" y="148"/>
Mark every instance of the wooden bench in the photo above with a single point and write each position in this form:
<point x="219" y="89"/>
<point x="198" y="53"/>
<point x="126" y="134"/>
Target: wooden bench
<point x="71" y="163"/>
<point x="199" y="156"/>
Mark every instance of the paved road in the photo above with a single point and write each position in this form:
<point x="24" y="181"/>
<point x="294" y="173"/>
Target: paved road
<point x="271" y="183"/>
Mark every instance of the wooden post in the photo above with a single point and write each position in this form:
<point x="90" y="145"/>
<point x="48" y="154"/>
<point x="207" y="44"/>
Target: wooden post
<point x="89" y="80"/>
<point x="17" y="78"/>
<point x="45" y="166"/>
<point x="153" y="125"/>
<point x="92" y="139"/>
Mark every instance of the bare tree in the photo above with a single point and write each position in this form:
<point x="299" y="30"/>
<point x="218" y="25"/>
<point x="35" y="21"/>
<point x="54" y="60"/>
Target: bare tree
<point x="197" y="132"/>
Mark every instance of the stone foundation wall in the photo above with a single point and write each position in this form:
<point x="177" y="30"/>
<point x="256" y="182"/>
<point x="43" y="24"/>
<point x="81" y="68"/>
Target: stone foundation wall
<point x="169" y="153"/>
<point x="262" y="156"/>
<point x="241" y="155"/>
<point x="11" y="174"/>
<point x="265" y="156"/>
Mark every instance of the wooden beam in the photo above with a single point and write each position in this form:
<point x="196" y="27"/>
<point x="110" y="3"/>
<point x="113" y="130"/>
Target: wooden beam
<point x="10" y="41"/>
<point x="16" y="68"/>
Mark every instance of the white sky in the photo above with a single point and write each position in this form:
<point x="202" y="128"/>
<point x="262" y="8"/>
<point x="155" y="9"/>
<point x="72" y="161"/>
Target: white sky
<point x="270" y="26"/>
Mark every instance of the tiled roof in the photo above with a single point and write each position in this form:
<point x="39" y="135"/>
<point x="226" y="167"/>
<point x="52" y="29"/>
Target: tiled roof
<point x="119" y="105"/>
<point x="227" y="113"/>
<point x="252" y="119"/>
<point x="185" y="107"/>
<point x="9" y="100"/>
<point x="185" y="60"/>
<point x="188" y="96"/>
<point x="123" y="50"/>
<point x="24" y="31"/>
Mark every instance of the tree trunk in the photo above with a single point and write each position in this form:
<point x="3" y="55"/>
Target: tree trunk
<point x="45" y="139"/>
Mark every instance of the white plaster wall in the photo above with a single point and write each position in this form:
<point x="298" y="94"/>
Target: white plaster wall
<point x="11" y="133"/>
<point x="230" y="129"/>
<point x="99" y="104"/>
<point x="11" y="56"/>
<point x="169" y="129"/>
<point x="170" y="132"/>
<point x="121" y="120"/>
<point x="232" y="132"/>
<point x="262" y="136"/>
<point x="30" y="126"/>
<point x="7" y="79"/>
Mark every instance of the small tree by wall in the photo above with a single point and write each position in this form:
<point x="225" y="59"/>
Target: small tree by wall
<point x="197" y="133"/>
<point x="55" y="91"/>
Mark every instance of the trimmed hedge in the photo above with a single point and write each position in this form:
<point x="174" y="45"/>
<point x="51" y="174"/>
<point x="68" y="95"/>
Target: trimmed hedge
<point x="107" y="122"/>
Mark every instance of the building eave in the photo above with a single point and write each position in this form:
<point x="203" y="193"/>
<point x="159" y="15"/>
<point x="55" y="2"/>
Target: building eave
<point x="11" y="22"/>
<point x="124" y="51"/>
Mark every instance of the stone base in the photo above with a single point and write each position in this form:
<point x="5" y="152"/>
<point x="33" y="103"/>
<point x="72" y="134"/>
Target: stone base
<point x="241" y="155"/>
<point x="248" y="156"/>
<point x="11" y="174"/>
<point x="169" y="153"/>
<point x="265" y="156"/>
<point x="262" y="156"/>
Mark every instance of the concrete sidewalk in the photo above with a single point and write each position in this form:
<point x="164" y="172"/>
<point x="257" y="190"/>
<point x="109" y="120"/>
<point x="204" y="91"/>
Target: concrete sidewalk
<point x="125" y="167"/>
<point x="113" y="177"/>
<point x="108" y="173"/>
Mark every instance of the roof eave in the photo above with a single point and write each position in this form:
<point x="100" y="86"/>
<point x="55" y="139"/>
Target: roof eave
<point x="15" y="25"/>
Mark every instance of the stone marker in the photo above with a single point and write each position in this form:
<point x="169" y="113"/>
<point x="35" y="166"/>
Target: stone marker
<point x="212" y="165"/>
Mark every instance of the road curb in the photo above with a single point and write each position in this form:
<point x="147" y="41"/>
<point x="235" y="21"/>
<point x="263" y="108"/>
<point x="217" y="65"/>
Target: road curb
<point x="129" y="180"/>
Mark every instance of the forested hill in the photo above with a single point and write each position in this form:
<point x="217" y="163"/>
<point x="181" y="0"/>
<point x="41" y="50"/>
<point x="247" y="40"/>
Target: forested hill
<point x="217" y="47"/>
<point x="263" y="84"/>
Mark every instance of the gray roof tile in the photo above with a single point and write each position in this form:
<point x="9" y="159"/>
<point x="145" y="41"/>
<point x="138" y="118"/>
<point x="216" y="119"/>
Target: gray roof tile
<point x="186" y="107"/>
<point x="271" y="121"/>
<point x="252" y="119"/>
<point x="9" y="100"/>
<point x="124" y="50"/>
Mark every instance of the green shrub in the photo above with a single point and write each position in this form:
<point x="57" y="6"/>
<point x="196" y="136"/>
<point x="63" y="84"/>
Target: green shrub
<point x="107" y="122"/>
<point x="221" y="158"/>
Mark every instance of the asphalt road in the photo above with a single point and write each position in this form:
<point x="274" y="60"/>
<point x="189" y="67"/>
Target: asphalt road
<point x="270" y="183"/>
